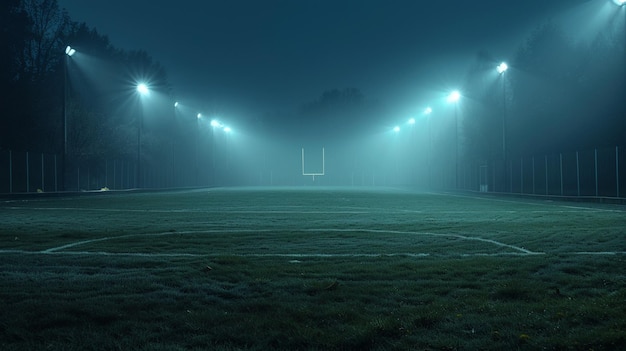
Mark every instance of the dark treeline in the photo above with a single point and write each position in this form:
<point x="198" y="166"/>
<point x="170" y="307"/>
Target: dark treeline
<point x="101" y="102"/>
<point x="559" y="94"/>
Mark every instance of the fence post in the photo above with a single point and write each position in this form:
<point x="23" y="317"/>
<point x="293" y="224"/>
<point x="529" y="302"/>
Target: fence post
<point x="42" y="174"/>
<point x="511" y="176"/>
<point x="27" y="174"/>
<point x="577" y="175"/>
<point x="561" y="170"/>
<point x="534" y="193"/>
<point x="56" y="187"/>
<point x="10" y="171"/>
<point x="521" y="172"/>
<point x="546" y="158"/>
<point x="617" y="170"/>
<point x="114" y="179"/>
<point x="595" y="162"/>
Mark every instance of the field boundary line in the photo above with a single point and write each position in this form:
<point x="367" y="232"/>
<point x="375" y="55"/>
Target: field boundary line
<point x="458" y="236"/>
<point x="89" y="241"/>
<point x="534" y="202"/>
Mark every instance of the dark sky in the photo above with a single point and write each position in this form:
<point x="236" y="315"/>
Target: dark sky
<point x="247" y="57"/>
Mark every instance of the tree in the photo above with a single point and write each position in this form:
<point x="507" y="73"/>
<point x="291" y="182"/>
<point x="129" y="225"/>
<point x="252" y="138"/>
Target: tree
<point x="337" y="113"/>
<point x="42" y="53"/>
<point x="14" y="33"/>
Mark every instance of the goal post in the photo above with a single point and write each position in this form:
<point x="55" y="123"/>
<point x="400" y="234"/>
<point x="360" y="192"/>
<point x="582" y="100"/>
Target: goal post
<point x="313" y="174"/>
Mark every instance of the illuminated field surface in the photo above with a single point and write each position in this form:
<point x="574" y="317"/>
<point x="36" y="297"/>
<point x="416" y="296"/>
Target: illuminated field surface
<point x="311" y="269"/>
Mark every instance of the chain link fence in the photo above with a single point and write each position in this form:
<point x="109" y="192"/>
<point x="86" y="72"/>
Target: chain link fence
<point x="597" y="172"/>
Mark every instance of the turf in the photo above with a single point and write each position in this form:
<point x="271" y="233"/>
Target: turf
<point x="311" y="269"/>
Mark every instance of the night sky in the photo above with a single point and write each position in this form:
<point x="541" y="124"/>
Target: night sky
<point x="245" y="57"/>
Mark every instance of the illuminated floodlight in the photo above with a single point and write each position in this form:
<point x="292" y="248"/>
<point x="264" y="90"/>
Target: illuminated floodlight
<point x="454" y="96"/>
<point x="620" y="2"/>
<point x="396" y="129"/>
<point x="215" y="123"/>
<point x="69" y="51"/>
<point x="199" y="115"/>
<point x="142" y="88"/>
<point x="503" y="66"/>
<point x="411" y="120"/>
<point x="428" y="111"/>
<point x="176" y="104"/>
<point x="227" y="129"/>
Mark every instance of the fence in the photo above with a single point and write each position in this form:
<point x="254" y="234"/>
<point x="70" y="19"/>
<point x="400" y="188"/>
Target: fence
<point x="588" y="173"/>
<point x="24" y="172"/>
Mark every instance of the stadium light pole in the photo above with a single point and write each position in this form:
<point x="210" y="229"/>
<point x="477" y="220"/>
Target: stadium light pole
<point x="427" y="112"/>
<point x="69" y="52"/>
<point x="143" y="90"/>
<point x="214" y="124"/>
<point x="453" y="98"/>
<point x="622" y="4"/>
<point x="501" y="69"/>
<point x="197" y="141"/>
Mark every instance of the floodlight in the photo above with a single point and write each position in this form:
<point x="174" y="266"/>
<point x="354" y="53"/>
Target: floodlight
<point x="620" y="2"/>
<point x="428" y="111"/>
<point x="176" y="104"/>
<point x="227" y="129"/>
<point x="215" y="123"/>
<point x="503" y="66"/>
<point x="142" y="88"/>
<point x="396" y="129"/>
<point x="69" y="51"/>
<point x="454" y="96"/>
<point x="199" y="115"/>
<point x="411" y="120"/>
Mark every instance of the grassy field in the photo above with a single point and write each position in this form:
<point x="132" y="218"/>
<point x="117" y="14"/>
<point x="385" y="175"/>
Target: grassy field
<point x="310" y="269"/>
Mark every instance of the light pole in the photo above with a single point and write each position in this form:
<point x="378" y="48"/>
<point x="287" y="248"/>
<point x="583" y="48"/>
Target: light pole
<point x="69" y="52"/>
<point x="198" y="117"/>
<point x="453" y="98"/>
<point x="622" y="4"/>
<point x="143" y="90"/>
<point x="501" y="68"/>
<point x="214" y="124"/>
<point x="427" y="112"/>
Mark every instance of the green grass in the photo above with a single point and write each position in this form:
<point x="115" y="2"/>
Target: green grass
<point x="310" y="269"/>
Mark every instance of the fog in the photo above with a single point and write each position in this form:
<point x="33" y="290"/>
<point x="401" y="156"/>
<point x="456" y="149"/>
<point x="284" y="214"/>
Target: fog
<point x="340" y="81"/>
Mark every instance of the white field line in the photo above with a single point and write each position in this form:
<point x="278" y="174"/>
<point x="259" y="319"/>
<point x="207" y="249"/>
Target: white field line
<point x="341" y="210"/>
<point x="458" y="236"/>
<point x="369" y="211"/>
<point x="100" y="253"/>
<point x="293" y="255"/>
<point x="83" y="242"/>
<point x="520" y="250"/>
<point x="537" y="202"/>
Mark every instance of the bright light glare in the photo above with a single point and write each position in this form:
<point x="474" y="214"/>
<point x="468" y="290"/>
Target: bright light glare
<point x="69" y="51"/>
<point x="620" y="2"/>
<point x="503" y="66"/>
<point x="227" y="129"/>
<point x="411" y="120"/>
<point x="396" y="129"/>
<point x="199" y="115"/>
<point x="176" y="104"/>
<point x="142" y="88"/>
<point x="215" y="123"/>
<point x="428" y="111"/>
<point x="454" y="96"/>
